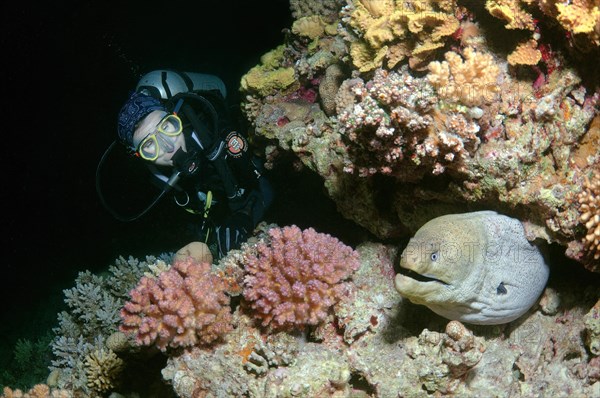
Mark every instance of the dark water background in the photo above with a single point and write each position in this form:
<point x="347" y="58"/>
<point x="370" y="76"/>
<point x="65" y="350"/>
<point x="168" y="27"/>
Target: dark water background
<point x="67" y="68"/>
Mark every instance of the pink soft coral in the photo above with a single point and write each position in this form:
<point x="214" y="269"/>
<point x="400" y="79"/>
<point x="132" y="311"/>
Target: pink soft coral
<point x="295" y="277"/>
<point x="185" y="306"/>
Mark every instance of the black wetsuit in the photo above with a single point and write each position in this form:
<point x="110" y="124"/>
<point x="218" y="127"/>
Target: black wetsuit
<point x="218" y="160"/>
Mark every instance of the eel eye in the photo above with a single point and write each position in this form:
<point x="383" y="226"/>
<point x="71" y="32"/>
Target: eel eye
<point x="501" y="289"/>
<point x="435" y="256"/>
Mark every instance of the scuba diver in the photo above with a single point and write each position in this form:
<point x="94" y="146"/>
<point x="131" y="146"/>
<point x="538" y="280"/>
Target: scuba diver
<point x="179" y="125"/>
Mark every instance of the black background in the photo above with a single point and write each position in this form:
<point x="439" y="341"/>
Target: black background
<point x="67" y="67"/>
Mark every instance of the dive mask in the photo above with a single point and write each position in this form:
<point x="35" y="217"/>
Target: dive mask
<point x="163" y="137"/>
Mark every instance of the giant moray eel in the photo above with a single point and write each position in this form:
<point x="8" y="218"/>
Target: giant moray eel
<point x="473" y="267"/>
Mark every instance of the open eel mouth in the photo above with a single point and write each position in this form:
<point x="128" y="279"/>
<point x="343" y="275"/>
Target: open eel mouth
<point x="418" y="277"/>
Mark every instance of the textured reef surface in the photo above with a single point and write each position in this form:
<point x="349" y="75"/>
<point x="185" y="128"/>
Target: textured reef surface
<point x="406" y="110"/>
<point x="413" y="109"/>
<point x="306" y="325"/>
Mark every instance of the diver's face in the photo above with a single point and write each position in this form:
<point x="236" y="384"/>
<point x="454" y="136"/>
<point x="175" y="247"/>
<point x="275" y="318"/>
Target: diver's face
<point x="157" y="147"/>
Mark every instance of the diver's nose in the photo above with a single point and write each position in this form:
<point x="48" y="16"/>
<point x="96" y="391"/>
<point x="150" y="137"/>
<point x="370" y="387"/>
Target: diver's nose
<point x="166" y="144"/>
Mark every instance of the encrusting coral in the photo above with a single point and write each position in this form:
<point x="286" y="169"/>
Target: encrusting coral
<point x="512" y="12"/>
<point x="393" y="30"/>
<point x="580" y="19"/>
<point x="525" y="54"/>
<point x="186" y="305"/>
<point x="295" y="277"/>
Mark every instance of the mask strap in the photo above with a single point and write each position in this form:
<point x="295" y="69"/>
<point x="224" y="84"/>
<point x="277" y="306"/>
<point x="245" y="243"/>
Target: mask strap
<point x="178" y="106"/>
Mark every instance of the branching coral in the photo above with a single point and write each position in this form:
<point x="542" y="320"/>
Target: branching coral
<point x="393" y="129"/>
<point x="93" y="314"/>
<point x="296" y="276"/>
<point x="470" y="79"/>
<point x="589" y="200"/>
<point x="185" y="306"/>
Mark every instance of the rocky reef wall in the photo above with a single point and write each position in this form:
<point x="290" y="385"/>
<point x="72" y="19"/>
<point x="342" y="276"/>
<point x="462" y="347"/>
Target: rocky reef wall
<point x="413" y="109"/>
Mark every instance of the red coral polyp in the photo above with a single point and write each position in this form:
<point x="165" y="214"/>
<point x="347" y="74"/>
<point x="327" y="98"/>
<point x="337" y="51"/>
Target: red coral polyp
<point x="185" y="306"/>
<point x="295" y="277"/>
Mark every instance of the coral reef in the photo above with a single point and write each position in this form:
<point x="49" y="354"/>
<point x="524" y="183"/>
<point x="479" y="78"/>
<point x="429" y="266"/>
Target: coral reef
<point x="470" y="79"/>
<point x="580" y="19"/>
<point x="373" y="344"/>
<point x="186" y="305"/>
<point x="327" y="9"/>
<point x="589" y="200"/>
<point x="38" y="391"/>
<point x="390" y="31"/>
<point x="592" y="324"/>
<point x="393" y="129"/>
<point x="296" y="277"/>
<point x="378" y="345"/>
<point x="94" y="304"/>
<point x="462" y="126"/>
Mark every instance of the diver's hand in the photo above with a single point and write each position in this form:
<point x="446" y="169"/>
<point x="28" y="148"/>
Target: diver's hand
<point x="233" y="232"/>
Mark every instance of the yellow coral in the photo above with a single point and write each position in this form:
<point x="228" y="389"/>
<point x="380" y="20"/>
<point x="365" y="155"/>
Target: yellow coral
<point x="423" y="24"/>
<point x="264" y="81"/>
<point x="103" y="369"/>
<point x="525" y="54"/>
<point x="421" y="55"/>
<point x="365" y="58"/>
<point x="396" y="53"/>
<point x="578" y="16"/>
<point x="470" y="79"/>
<point x="270" y="75"/>
<point x="311" y="27"/>
<point x="512" y="12"/>
<point x="589" y="200"/>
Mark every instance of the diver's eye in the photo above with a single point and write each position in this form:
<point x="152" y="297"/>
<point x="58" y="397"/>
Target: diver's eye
<point x="148" y="147"/>
<point x="167" y="127"/>
<point x="435" y="256"/>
